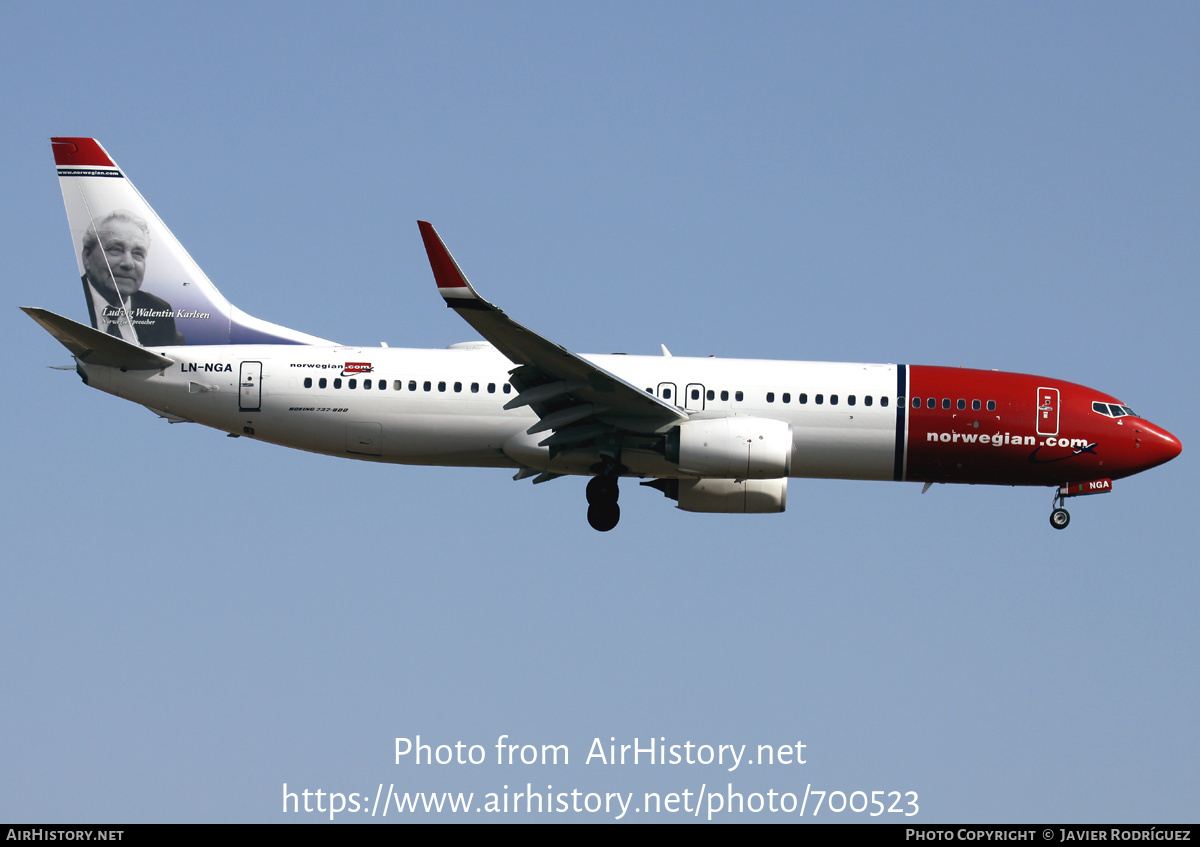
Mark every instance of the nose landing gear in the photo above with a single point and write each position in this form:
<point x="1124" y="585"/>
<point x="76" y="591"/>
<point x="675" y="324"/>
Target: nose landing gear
<point x="602" y="493"/>
<point x="1060" y="517"/>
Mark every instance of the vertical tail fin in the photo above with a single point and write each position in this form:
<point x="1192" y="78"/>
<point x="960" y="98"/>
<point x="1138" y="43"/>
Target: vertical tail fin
<point x="139" y="282"/>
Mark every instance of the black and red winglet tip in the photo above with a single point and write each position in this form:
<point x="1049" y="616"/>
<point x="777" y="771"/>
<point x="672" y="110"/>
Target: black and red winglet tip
<point x="449" y="277"/>
<point x="80" y="153"/>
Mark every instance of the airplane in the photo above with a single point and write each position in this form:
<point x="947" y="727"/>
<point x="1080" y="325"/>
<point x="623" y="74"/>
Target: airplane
<point x="713" y="435"/>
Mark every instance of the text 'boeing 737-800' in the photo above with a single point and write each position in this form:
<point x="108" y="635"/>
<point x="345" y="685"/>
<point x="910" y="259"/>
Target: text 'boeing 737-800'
<point x="714" y="435"/>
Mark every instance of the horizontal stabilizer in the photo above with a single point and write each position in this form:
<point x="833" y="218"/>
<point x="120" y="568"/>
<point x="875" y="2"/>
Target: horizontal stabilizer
<point x="97" y="348"/>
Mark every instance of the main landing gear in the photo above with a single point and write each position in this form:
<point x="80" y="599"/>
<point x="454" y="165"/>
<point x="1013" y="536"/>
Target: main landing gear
<point x="603" y="511"/>
<point x="1060" y="517"/>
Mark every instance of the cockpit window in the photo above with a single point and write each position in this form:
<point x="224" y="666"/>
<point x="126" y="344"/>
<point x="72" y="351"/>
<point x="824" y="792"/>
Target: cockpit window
<point x="1113" y="410"/>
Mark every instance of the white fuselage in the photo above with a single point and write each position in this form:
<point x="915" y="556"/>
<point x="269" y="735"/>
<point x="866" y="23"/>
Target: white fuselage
<point x="445" y="407"/>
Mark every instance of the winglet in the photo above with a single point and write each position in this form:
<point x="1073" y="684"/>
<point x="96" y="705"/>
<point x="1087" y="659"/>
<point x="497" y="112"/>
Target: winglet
<point x="451" y="281"/>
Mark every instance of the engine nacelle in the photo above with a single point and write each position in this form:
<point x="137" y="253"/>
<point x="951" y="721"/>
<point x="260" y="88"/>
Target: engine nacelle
<point x="731" y="496"/>
<point x="732" y="448"/>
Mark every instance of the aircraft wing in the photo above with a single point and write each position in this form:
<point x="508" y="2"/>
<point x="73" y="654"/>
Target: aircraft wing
<point x="576" y="399"/>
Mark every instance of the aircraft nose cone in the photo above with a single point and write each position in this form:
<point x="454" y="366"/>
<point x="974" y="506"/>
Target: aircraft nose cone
<point x="1159" y="445"/>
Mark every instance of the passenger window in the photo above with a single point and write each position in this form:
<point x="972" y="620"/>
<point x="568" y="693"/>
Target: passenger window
<point x="802" y="399"/>
<point x="428" y="386"/>
<point x="883" y="401"/>
<point x="308" y="382"/>
<point x="737" y="395"/>
<point x="474" y="387"/>
<point x="787" y="398"/>
<point x="832" y="399"/>
<point x="412" y="385"/>
<point x="710" y="394"/>
<point x="975" y="405"/>
<point x="507" y="388"/>
<point x="962" y="404"/>
<point x="770" y="396"/>
<point x="916" y="402"/>
<point x="337" y="383"/>
<point x="850" y="400"/>
<point x="366" y="383"/>
<point x="931" y="403"/>
<point x="491" y="388"/>
<point x="991" y="405"/>
<point x="724" y="395"/>
<point x="441" y="386"/>
<point x="322" y="383"/>
<point x="666" y="394"/>
<point x="457" y="387"/>
<point x="867" y="400"/>
<point x="945" y="402"/>
<point x="819" y="399"/>
<point x="695" y="393"/>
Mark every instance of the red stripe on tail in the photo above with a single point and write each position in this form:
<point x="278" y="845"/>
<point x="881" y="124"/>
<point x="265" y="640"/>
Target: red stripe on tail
<point x="80" y="152"/>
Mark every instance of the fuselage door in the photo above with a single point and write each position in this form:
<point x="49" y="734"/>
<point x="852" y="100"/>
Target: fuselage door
<point x="1047" y="411"/>
<point x="693" y="397"/>
<point x="667" y="391"/>
<point x="250" y="387"/>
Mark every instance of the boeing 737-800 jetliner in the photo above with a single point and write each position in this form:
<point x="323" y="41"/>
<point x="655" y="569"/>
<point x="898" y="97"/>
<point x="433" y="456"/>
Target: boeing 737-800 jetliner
<point x="714" y="435"/>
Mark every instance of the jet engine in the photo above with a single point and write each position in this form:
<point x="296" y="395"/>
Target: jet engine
<point x="732" y="448"/>
<point x="732" y="496"/>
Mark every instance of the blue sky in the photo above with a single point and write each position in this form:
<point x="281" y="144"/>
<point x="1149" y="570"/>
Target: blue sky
<point x="1008" y="186"/>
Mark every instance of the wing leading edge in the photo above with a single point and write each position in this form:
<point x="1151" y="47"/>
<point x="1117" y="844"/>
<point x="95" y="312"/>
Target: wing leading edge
<point x="571" y="396"/>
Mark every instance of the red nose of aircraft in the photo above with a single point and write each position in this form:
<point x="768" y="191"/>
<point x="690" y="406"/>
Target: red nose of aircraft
<point x="1154" y="445"/>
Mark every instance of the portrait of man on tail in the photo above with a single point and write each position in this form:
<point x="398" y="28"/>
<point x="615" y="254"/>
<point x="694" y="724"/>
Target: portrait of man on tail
<point x="114" y="255"/>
